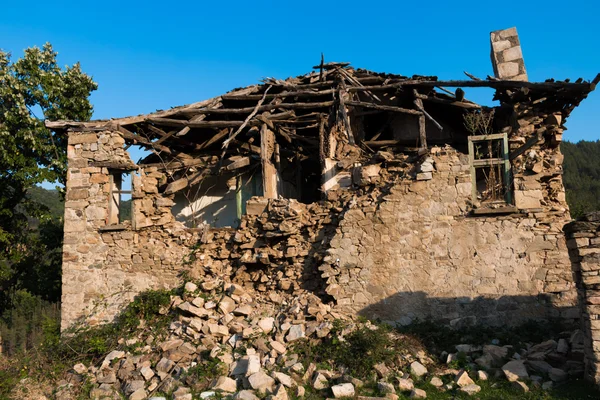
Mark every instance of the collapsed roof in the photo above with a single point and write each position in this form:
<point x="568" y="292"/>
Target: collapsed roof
<point x="355" y="106"/>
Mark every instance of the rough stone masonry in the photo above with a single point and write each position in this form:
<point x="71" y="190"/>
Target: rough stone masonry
<point x="584" y="248"/>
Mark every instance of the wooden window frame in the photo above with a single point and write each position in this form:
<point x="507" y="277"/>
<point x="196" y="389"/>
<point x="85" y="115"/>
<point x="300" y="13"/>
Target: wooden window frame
<point x="505" y="161"/>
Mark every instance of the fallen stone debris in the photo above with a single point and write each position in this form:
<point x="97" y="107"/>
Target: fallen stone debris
<point x="232" y="341"/>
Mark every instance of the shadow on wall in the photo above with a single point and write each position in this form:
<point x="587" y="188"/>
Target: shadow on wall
<point x="461" y="312"/>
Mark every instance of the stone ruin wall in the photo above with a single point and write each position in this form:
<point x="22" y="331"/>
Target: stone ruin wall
<point x="392" y="247"/>
<point x="584" y="248"/>
<point x="104" y="269"/>
<point x="416" y="254"/>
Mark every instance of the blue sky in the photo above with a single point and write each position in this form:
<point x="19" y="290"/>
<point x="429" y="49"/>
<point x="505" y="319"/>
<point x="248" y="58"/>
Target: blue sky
<point x="155" y="55"/>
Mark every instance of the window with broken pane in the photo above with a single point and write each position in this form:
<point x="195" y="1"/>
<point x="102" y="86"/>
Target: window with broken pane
<point x="490" y="170"/>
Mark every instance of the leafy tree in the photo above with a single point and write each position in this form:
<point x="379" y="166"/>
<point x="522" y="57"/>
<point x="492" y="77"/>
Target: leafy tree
<point x="32" y="89"/>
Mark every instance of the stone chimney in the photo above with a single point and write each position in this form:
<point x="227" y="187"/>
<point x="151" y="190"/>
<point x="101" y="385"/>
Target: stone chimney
<point x="507" y="57"/>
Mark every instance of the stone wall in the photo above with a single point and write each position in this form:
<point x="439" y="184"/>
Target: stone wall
<point x="105" y="266"/>
<point x="507" y="56"/>
<point x="415" y="253"/>
<point x="584" y="249"/>
<point x="400" y="243"/>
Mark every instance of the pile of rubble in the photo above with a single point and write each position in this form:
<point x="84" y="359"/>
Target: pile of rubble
<point x="541" y="365"/>
<point x="278" y="247"/>
<point x="247" y="334"/>
<point x="227" y="340"/>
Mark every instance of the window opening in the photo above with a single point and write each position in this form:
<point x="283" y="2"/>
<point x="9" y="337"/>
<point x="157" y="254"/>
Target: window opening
<point x="490" y="170"/>
<point x="120" y="205"/>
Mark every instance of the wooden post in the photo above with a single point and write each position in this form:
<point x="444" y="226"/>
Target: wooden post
<point x="422" y="128"/>
<point x="422" y="132"/>
<point x="269" y="172"/>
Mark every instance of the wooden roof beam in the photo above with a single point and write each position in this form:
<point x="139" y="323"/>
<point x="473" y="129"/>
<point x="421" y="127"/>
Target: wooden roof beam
<point x="499" y="84"/>
<point x="383" y="107"/>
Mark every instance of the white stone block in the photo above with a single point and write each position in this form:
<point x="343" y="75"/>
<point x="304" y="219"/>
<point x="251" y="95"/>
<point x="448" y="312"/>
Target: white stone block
<point x="508" y="70"/>
<point x="513" y="53"/>
<point x="501" y="45"/>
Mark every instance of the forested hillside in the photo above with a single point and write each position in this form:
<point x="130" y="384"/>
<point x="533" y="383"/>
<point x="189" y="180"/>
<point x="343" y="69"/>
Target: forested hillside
<point x="582" y="176"/>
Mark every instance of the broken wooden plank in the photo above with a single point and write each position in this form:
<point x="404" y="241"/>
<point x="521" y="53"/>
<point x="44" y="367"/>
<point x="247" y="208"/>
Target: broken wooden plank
<point x="200" y="124"/>
<point x="248" y="118"/>
<point x="247" y="146"/>
<point x="140" y="139"/>
<point x="382" y="107"/>
<point x="419" y="104"/>
<point x="297" y="93"/>
<point x="344" y="114"/>
<point x="356" y="82"/>
<point x="532" y="141"/>
<point x="239" y="163"/>
<point x="213" y="139"/>
<point x="322" y="142"/>
<point x="471" y="76"/>
<point x="462" y="104"/>
<point x="266" y="107"/>
<point x="177" y="185"/>
<point x="499" y="84"/>
<point x="187" y="129"/>
<point x="187" y="181"/>
<point x="174" y="165"/>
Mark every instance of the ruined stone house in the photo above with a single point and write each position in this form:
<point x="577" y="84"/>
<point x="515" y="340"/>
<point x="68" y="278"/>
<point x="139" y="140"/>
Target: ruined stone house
<point x="388" y="196"/>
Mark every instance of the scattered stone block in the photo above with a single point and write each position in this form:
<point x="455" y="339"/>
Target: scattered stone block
<point x="471" y="389"/>
<point x="385" y="387"/>
<point x="418" y="394"/>
<point x="343" y="390"/>
<point x="463" y="379"/>
<point x="515" y="370"/>
<point x="417" y="369"/>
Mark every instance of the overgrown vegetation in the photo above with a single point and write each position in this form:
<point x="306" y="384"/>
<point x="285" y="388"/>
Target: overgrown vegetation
<point x="55" y="354"/>
<point x="582" y="176"/>
<point x="355" y="351"/>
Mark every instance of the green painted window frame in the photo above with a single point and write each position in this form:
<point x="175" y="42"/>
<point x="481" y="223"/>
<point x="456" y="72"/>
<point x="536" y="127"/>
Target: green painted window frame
<point x="505" y="161"/>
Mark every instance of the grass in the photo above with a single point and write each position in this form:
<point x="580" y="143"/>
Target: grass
<point x="201" y="376"/>
<point x="357" y="352"/>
